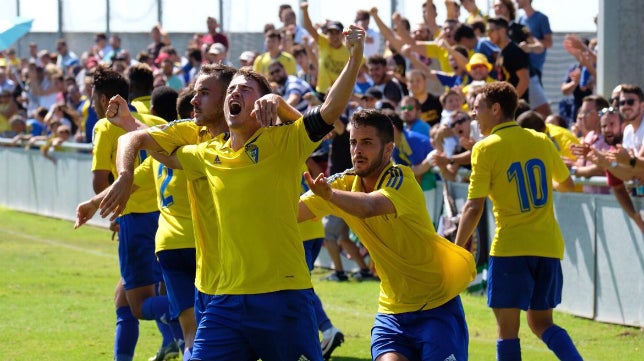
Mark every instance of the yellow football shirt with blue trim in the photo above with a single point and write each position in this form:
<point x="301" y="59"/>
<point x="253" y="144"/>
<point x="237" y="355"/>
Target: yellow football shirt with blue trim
<point x="256" y="191"/>
<point x="206" y="230"/>
<point x="175" y="229"/>
<point x="418" y="269"/>
<point x="515" y="167"/>
<point x="105" y="140"/>
<point x="563" y="139"/>
<point x="142" y="104"/>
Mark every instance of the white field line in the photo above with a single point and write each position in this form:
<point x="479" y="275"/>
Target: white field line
<point x="58" y="244"/>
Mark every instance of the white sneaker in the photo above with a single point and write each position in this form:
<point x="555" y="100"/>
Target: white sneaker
<point x="331" y="339"/>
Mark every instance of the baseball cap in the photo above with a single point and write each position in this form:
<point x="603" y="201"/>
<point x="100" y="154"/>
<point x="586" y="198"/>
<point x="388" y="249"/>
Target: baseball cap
<point x="372" y="92"/>
<point x="217" y="48"/>
<point x="334" y="25"/>
<point x="247" y="56"/>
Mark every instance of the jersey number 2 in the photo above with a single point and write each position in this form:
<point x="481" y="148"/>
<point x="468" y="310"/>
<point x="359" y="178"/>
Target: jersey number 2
<point x="531" y="183"/>
<point x="165" y="201"/>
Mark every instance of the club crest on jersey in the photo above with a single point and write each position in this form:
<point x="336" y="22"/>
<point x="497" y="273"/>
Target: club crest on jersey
<point x="217" y="160"/>
<point x="253" y="152"/>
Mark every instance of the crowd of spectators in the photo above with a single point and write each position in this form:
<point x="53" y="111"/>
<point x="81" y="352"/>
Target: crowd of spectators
<point x="427" y="73"/>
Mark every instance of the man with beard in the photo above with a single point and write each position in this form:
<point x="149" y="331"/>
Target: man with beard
<point x="420" y="315"/>
<point x="611" y="126"/>
<point x="290" y="87"/>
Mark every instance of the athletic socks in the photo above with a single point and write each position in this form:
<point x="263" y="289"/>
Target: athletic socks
<point x="126" y="335"/>
<point x="166" y="333"/>
<point x="508" y="350"/>
<point x="561" y="344"/>
<point x="156" y="308"/>
<point x="187" y="354"/>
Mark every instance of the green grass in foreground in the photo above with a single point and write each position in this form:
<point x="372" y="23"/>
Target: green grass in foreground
<point x="56" y="289"/>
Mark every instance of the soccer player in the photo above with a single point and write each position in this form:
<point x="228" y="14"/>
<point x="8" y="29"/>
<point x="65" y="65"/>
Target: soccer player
<point x="516" y="167"/>
<point x="135" y="294"/>
<point x="420" y="315"/>
<point x="255" y="180"/>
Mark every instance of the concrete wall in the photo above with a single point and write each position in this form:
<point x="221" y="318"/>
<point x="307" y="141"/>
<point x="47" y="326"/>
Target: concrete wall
<point x="603" y="264"/>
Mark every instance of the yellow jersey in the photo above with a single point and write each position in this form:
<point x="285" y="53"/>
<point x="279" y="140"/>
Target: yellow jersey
<point x="175" y="229"/>
<point x="313" y="228"/>
<point x="202" y="208"/>
<point x="256" y="191"/>
<point x="105" y="140"/>
<point x="419" y="270"/>
<point x="563" y="139"/>
<point x="331" y="61"/>
<point x="142" y="104"/>
<point x="515" y="167"/>
<point x="432" y="50"/>
<point x="286" y="59"/>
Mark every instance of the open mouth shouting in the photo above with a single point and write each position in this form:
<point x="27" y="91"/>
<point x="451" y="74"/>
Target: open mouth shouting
<point x="235" y="107"/>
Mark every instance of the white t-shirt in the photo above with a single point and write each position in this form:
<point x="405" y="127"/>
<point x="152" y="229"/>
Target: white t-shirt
<point x="633" y="139"/>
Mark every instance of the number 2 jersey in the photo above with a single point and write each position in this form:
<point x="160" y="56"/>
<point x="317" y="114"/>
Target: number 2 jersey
<point x="515" y="167"/>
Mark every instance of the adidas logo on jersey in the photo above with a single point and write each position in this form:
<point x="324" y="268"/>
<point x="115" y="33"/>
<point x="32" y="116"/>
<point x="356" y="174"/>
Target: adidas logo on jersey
<point x="217" y="161"/>
<point x="451" y="358"/>
<point x="303" y="358"/>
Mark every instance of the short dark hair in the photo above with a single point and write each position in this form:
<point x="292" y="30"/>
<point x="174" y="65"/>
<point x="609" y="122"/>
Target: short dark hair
<point x="464" y="31"/>
<point x="184" y="105"/>
<point x="141" y="79"/>
<point x="377" y="59"/>
<point x="164" y="102"/>
<point x="262" y="82"/>
<point x="377" y="119"/>
<point x="499" y="21"/>
<point x="396" y="120"/>
<point x="532" y="120"/>
<point x="413" y="100"/>
<point x="599" y="101"/>
<point x="273" y="34"/>
<point x="195" y="53"/>
<point x="504" y="94"/>
<point x="223" y="73"/>
<point x="298" y="49"/>
<point x="522" y="107"/>
<point x="109" y="83"/>
<point x="633" y="89"/>
<point x="478" y="25"/>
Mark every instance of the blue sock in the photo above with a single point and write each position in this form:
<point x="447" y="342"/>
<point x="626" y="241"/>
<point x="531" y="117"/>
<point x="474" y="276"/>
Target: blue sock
<point x="508" y="350"/>
<point x="561" y="344"/>
<point x="126" y="335"/>
<point x="177" y="333"/>
<point x="187" y="354"/>
<point x="166" y="333"/>
<point x="156" y="308"/>
<point x="323" y="320"/>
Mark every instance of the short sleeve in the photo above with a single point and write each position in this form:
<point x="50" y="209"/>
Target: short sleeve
<point x="191" y="158"/>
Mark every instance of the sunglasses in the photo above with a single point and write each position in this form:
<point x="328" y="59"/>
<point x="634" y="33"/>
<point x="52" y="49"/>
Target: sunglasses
<point x="408" y="108"/>
<point x="630" y="102"/>
<point x="458" y="121"/>
<point x="609" y="110"/>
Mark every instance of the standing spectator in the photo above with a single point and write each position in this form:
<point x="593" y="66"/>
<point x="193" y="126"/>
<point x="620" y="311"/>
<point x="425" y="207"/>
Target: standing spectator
<point x="386" y="83"/>
<point x="113" y="49"/>
<point x="513" y="65"/>
<point x="525" y="256"/>
<point x="101" y="48"/>
<point x="172" y="79"/>
<point x="66" y="57"/>
<point x="430" y="105"/>
<point x="332" y="53"/>
<point x="217" y="54"/>
<point x="578" y="86"/>
<point x="410" y="113"/>
<point x="159" y="39"/>
<point x="272" y="41"/>
<point x="539" y="27"/>
<point x="288" y="18"/>
<point x="247" y="58"/>
<point x="630" y="105"/>
<point x="214" y="35"/>
<point x="372" y="43"/>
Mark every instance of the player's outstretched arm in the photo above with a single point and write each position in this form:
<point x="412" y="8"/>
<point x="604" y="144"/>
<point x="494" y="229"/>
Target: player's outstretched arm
<point x="270" y="106"/>
<point x="359" y="204"/>
<point x="341" y="91"/>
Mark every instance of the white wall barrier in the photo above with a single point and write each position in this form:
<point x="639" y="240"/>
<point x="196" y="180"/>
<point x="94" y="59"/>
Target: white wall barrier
<point x="604" y="254"/>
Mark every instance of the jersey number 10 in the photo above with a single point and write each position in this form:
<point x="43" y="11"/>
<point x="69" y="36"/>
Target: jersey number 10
<point x="531" y="183"/>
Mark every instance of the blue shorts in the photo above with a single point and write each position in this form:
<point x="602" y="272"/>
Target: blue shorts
<point x="272" y="326"/>
<point x="431" y="335"/>
<point x="179" y="267"/>
<point x="201" y="302"/>
<point x="139" y="266"/>
<point x="312" y="250"/>
<point x="525" y="282"/>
